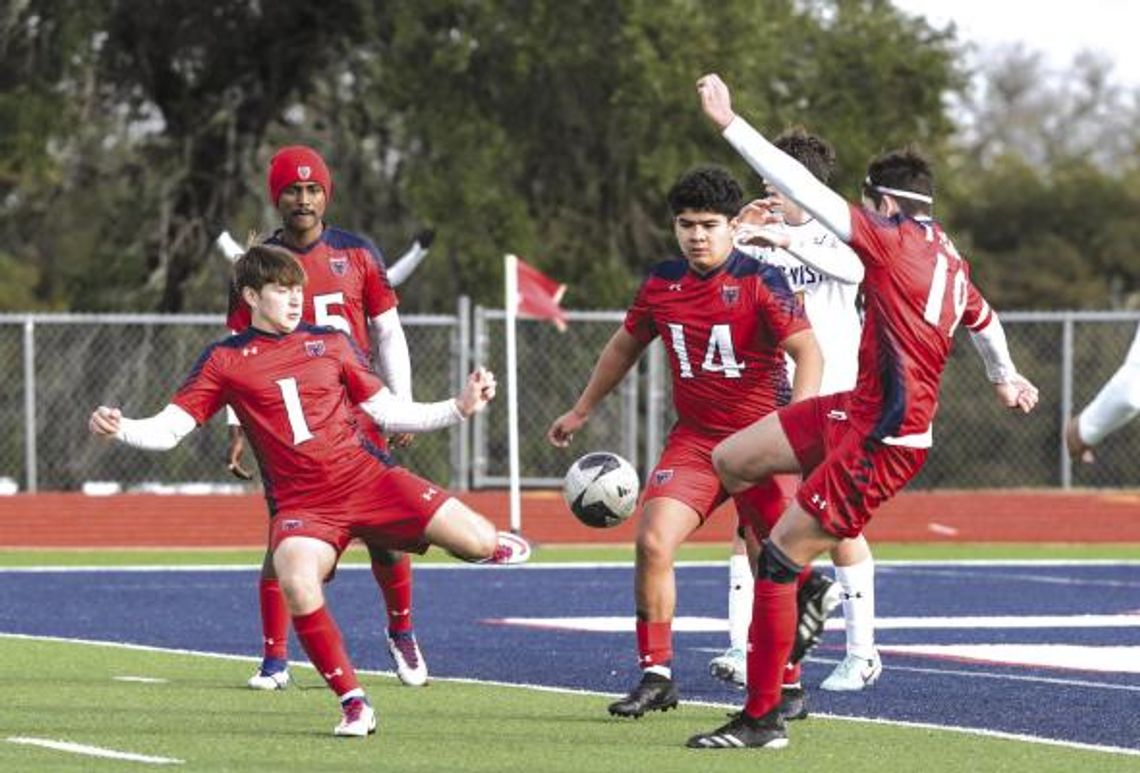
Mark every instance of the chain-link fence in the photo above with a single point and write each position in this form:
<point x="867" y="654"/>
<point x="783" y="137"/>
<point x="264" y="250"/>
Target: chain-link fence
<point x="61" y="366"/>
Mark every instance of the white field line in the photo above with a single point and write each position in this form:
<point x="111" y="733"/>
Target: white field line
<point x="568" y="691"/>
<point x="140" y="679"/>
<point x="93" y="751"/>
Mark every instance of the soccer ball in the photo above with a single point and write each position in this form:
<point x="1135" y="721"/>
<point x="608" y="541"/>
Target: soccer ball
<point x="601" y="489"/>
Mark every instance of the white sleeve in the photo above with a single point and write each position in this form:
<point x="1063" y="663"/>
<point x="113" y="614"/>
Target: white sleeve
<point x="399" y="271"/>
<point x="991" y="343"/>
<point x="392" y="359"/>
<point x="396" y="415"/>
<point x="1118" y="401"/>
<point x="790" y="177"/>
<point x="837" y="260"/>
<point x="160" y="432"/>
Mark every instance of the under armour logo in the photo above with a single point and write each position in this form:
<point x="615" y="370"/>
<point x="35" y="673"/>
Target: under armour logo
<point x="334" y="673"/>
<point x="675" y="286"/>
<point x="819" y="501"/>
<point x="427" y="495"/>
<point x="247" y="351"/>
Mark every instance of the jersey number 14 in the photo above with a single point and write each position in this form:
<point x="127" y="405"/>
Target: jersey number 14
<point x="720" y="356"/>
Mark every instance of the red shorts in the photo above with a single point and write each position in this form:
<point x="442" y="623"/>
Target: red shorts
<point x="390" y="510"/>
<point x="847" y="474"/>
<point x="685" y="472"/>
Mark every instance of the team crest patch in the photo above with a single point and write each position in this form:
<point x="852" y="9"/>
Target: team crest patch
<point x="304" y="172"/>
<point x="661" y="477"/>
<point x="338" y="264"/>
<point x="730" y="294"/>
<point x="314" y="348"/>
<point x="291" y="524"/>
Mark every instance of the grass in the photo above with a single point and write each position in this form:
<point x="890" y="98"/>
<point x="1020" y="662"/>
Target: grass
<point x="884" y="551"/>
<point x="201" y="714"/>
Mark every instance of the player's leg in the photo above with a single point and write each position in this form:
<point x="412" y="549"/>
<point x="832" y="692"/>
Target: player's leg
<point x="730" y="665"/>
<point x="754" y="454"/>
<point x="393" y="572"/>
<point x="466" y="534"/>
<point x="665" y="523"/>
<point x="273" y="673"/>
<point x="302" y="564"/>
<point x="855" y="571"/>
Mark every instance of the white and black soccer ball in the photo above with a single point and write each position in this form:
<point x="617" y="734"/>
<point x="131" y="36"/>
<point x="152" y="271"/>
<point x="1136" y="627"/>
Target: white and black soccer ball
<point x="601" y="489"/>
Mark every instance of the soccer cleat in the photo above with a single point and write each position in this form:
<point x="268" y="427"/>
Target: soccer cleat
<point x="653" y="693"/>
<point x="512" y="549"/>
<point x="744" y="732"/>
<point x="793" y="704"/>
<point x="273" y="674"/>
<point x="815" y="600"/>
<point x="731" y="667"/>
<point x="410" y="665"/>
<point x="854" y="673"/>
<point x="358" y="719"/>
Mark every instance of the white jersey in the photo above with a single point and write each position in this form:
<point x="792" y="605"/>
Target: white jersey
<point x="1118" y="401"/>
<point x="829" y="301"/>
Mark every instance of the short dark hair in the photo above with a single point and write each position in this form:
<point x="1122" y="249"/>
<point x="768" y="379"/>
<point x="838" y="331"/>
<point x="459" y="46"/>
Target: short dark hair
<point x="264" y="264"/>
<point x="706" y="189"/>
<point x="906" y="171"/>
<point x="811" y="150"/>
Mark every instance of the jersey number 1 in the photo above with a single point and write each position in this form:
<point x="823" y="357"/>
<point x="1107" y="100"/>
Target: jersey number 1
<point x="292" y="397"/>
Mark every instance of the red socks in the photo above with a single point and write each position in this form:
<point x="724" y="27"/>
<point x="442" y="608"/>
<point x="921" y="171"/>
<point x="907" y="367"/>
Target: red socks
<point x="770" y="640"/>
<point x="395" y="583"/>
<point x="654" y="643"/>
<point x="274" y="619"/>
<point x="322" y="642"/>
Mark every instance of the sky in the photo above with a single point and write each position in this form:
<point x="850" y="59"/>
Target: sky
<point x="1059" y="30"/>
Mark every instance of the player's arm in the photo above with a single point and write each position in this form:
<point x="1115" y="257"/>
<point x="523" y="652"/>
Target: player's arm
<point x="398" y="415"/>
<point x="392" y="358"/>
<point x="399" y="271"/>
<point x="804" y="350"/>
<point x="777" y="167"/>
<point x="619" y="355"/>
<point x="988" y="336"/>
<point x="1117" y="403"/>
<point x="160" y="432"/>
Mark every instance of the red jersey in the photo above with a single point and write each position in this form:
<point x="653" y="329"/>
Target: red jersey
<point x="722" y="331"/>
<point x="347" y="285"/>
<point x="917" y="289"/>
<point x="295" y="395"/>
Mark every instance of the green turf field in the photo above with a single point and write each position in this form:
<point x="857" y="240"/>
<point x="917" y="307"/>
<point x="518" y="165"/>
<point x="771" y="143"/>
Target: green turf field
<point x="884" y="551"/>
<point x="202" y="715"/>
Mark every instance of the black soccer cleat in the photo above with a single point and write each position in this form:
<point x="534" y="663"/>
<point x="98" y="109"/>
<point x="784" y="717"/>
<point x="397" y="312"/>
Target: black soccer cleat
<point x="744" y="732"/>
<point x="793" y="704"/>
<point x="815" y="600"/>
<point x="653" y="693"/>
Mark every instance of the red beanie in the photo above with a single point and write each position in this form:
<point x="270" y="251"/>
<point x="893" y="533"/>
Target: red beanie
<point x="297" y="162"/>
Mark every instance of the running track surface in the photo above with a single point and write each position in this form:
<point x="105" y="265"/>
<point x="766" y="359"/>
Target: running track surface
<point x="458" y="614"/>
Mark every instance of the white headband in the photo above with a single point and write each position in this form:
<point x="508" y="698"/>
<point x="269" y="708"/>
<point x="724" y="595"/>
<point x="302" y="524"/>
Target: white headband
<point x="900" y="194"/>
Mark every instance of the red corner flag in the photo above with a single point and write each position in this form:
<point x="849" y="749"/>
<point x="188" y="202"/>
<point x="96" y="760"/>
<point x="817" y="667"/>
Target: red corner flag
<point x="538" y="295"/>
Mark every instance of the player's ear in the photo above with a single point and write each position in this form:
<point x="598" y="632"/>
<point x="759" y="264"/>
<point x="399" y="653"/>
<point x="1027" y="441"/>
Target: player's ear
<point x="249" y="295"/>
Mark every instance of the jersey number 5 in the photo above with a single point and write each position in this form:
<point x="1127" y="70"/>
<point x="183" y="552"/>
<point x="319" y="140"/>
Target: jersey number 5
<point x="936" y="299"/>
<point x="720" y="356"/>
<point x="321" y="313"/>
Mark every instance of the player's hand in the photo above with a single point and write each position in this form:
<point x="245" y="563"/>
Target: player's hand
<point x="1078" y="449"/>
<point x="562" y="431"/>
<point x="477" y="392"/>
<point x="401" y="440"/>
<point x="425" y="237"/>
<point x="105" y="422"/>
<point x="716" y="100"/>
<point x="234" y="453"/>
<point x="761" y="236"/>
<point x="1017" y="393"/>
<point x="760" y="212"/>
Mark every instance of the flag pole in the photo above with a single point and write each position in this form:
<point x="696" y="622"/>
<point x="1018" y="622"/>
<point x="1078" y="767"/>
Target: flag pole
<point x="512" y="305"/>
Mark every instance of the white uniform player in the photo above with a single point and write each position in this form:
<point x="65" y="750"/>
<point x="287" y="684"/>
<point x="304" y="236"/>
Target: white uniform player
<point x="1117" y="403"/>
<point x="830" y="303"/>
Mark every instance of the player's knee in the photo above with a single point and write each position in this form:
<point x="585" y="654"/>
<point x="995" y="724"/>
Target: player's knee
<point x="654" y="548"/>
<point x="774" y="565"/>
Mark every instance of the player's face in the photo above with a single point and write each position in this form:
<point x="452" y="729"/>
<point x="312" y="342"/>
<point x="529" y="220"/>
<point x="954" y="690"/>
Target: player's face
<point x="791" y="211"/>
<point x="705" y="238"/>
<point x="302" y="206"/>
<point x="276" y="308"/>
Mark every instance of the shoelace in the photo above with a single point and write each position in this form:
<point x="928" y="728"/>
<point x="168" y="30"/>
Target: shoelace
<point x="406" y="644"/>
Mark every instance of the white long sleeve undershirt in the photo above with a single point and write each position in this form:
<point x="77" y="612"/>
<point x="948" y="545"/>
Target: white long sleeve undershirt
<point x="160" y="432"/>
<point x="791" y="178"/>
<point x="393" y="362"/>
<point x="395" y="414"/>
<point x="1118" y="401"/>
<point x="992" y="345"/>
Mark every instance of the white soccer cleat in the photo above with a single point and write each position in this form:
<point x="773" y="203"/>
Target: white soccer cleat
<point x="410" y="666"/>
<point x="269" y="680"/>
<point x="358" y="719"/>
<point x="512" y="549"/>
<point x="854" y="673"/>
<point x="731" y="667"/>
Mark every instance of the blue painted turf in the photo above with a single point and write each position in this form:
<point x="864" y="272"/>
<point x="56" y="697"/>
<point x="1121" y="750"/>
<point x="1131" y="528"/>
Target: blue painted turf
<point x="217" y="611"/>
